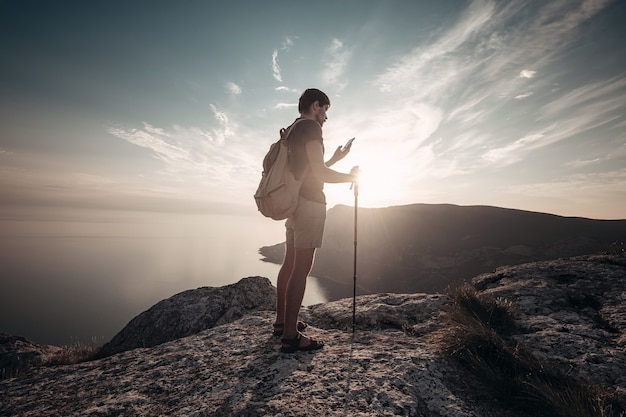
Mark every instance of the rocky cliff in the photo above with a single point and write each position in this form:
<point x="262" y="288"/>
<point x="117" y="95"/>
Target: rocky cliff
<point x="566" y="316"/>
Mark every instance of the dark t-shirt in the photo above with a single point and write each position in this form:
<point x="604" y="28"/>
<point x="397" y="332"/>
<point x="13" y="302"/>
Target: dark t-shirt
<point x="306" y="130"/>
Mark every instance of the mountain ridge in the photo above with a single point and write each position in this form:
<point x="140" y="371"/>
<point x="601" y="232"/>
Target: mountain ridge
<point x="428" y="247"/>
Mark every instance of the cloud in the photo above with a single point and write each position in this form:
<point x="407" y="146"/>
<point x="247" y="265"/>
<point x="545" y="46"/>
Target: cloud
<point x="523" y="96"/>
<point x="206" y="169"/>
<point x="600" y="99"/>
<point x="285" y="46"/>
<point x="581" y="193"/>
<point x="579" y="163"/>
<point x="336" y="60"/>
<point x="431" y="68"/>
<point x="573" y="113"/>
<point x="225" y="130"/>
<point x="473" y="68"/>
<point x="39" y="191"/>
<point x="150" y="138"/>
<point x="196" y="157"/>
<point x="233" y="88"/>
<point x="285" y="105"/>
<point x="488" y="41"/>
<point x="514" y="152"/>
<point x="276" y="67"/>
<point x="287" y="89"/>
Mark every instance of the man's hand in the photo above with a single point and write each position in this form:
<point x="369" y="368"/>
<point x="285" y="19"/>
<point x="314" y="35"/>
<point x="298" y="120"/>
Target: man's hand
<point x="355" y="171"/>
<point x="339" y="154"/>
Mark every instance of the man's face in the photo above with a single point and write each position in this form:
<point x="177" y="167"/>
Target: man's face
<point x="320" y="114"/>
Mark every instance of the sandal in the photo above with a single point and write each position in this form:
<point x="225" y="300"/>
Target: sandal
<point x="293" y="345"/>
<point x="278" y="328"/>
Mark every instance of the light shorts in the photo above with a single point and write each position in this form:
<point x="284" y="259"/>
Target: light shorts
<point x="305" y="228"/>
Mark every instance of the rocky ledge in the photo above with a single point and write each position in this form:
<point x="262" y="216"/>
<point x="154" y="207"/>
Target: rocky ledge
<point x="569" y="312"/>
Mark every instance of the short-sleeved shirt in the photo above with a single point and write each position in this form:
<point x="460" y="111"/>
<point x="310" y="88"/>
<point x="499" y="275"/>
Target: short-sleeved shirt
<point x="303" y="132"/>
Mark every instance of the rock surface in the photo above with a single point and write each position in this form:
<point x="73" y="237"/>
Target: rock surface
<point x="571" y="311"/>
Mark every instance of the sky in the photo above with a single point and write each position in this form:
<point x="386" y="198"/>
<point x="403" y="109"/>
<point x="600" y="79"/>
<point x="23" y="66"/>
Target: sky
<point x="171" y="106"/>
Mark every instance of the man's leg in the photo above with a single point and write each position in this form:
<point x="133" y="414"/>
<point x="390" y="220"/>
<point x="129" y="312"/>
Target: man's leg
<point x="283" y="279"/>
<point x="295" y="290"/>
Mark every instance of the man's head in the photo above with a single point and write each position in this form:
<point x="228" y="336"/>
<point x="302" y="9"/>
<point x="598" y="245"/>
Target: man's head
<point x="314" y="104"/>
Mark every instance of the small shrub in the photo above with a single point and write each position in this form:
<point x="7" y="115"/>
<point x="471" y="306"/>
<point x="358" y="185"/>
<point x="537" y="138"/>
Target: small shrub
<point x="495" y="313"/>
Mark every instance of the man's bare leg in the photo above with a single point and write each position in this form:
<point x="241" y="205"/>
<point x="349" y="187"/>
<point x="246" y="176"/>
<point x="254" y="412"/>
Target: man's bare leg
<point x="295" y="290"/>
<point x="281" y="284"/>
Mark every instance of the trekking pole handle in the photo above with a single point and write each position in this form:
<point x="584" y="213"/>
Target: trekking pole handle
<point x="355" y="184"/>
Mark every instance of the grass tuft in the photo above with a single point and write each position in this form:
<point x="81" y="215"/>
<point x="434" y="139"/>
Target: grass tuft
<point x="479" y="336"/>
<point x="75" y="353"/>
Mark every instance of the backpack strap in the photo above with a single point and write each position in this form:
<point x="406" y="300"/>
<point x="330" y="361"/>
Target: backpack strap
<point x="284" y="135"/>
<point x="284" y="132"/>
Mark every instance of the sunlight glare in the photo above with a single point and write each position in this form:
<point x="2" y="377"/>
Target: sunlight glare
<point x="386" y="178"/>
<point x="382" y="183"/>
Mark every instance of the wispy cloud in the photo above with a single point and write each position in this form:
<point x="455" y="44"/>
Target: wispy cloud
<point x="196" y="157"/>
<point x="463" y="75"/>
<point x="225" y="130"/>
<point x="432" y="68"/>
<point x="276" y="71"/>
<point x="287" y="43"/>
<point x="582" y="163"/>
<point x="287" y="89"/>
<point x="233" y="88"/>
<point x="523" y="96"/>
<point x="515" y="151"/>
<point x="285" y="105"/>
<point x="275" y="67"/>
<point x="602" y="99"/>
<point x="336" y="60"/>
<point x="581" y="193"/>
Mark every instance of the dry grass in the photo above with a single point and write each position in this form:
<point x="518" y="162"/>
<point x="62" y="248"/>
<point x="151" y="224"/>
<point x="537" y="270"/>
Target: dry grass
<point x="75" y="353"/>
<point x="478" y="335"/>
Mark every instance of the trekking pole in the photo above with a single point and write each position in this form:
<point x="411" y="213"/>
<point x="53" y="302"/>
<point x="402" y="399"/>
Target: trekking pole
<point x="356" y="205"/>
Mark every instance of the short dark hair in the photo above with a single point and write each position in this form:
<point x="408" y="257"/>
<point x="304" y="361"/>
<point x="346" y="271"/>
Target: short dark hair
<point x="310" y="96"/>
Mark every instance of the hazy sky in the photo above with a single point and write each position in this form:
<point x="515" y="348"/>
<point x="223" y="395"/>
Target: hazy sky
<point x="172" y="105"/>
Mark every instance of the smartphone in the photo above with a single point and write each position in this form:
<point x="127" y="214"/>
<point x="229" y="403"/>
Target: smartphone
<point x="348" y="143"/>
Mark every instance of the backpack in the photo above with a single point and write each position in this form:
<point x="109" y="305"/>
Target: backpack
<point x="277" y="194"/>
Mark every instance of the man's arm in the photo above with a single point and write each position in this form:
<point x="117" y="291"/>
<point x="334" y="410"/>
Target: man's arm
<point x="315" y="153"/>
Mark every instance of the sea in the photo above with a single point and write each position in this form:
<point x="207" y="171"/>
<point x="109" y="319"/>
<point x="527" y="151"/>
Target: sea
<point x="80" y="279"/>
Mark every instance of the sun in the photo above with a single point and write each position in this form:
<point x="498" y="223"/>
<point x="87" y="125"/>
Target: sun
<point x="385" y="178"/>
<point x="381" y="183"/>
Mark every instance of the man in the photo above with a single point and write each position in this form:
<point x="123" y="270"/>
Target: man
<point x="305" y="228"/>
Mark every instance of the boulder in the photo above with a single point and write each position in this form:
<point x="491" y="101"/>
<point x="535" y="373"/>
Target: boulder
<point x="18" y="354"/>
<point x="192" y="311"/>
<point x="570" y="311"/>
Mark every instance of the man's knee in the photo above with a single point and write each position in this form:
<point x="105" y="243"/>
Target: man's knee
<point x="304" y="258"/>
